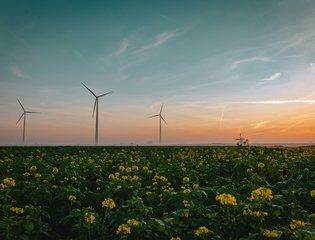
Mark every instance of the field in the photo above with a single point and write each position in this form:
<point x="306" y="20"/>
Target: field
<point x="157" y="193"/>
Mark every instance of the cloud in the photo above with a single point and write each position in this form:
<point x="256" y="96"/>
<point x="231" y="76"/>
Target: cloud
<point x="278" y="102"/>
<point x="311" y="68"/>
<point x="259" y="124"/>
<point x="46" y="90"/>
<point x="222" y="116"/>
<point x="159" y="40"/>
<point x="19" y="72"/>
<point x="122" y="48"/>
<point x="235" y="64"/>
<point x="273" y="77"/>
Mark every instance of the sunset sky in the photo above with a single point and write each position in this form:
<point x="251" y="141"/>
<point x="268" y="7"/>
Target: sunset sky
<point x="219" y="67"/>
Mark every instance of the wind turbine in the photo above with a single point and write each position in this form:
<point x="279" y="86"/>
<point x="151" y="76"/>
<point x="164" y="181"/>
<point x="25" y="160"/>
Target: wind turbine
<point x="24" y="115"/>
<point x="95" y="107"/>
<point x="161" y="118"/>
<point x="241" y="140"/>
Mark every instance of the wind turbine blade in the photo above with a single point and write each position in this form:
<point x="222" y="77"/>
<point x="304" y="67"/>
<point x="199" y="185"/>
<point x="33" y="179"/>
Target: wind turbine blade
<point x="21" y="105"/>
<point x="20" y="118"/>
<point x="88" y="89"/>
<point x="94" y="107"/>
<point x="104" y="94"/>
<point x="32" y="112"/>
<point x="154" y="116"/>
<point x="161" y="109"/>
<point x="163" y="119"/>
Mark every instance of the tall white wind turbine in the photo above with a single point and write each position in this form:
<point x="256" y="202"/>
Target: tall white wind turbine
<point x="24" y="115"/>
<point x="95" y="107"/>
<point x="161" y="118"/>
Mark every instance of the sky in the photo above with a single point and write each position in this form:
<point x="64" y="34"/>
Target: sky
<point x="219" y="67"/>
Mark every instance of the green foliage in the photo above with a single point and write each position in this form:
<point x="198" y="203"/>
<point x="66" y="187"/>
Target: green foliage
<point x="213" y="193"/>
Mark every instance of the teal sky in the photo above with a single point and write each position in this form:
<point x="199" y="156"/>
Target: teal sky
<point x="220" y="68"/>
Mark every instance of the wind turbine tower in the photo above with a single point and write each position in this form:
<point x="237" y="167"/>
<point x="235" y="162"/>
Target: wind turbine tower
<point x="24" y="120"/>
<point x="96" y="108"/>
<point x="240" y="140"/>
<point x="161" y="118"/>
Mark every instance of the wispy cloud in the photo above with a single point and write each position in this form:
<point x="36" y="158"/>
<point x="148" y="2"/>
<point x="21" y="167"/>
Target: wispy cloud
<point x="122" y="48"/>
<point x="275" y="102"/>
<point x="78" y="54"/>
<point x="18" y="72"/>
<point x="46" y="90"/>
<point x="235" y="64"/>
<point x="311" y="68"/>
<point x="259" y="124"/>
<point x="165" y="17"/>
<point x="222" y="116"/>
<point x="159" y="40"/>
<point x="273" y="77"/>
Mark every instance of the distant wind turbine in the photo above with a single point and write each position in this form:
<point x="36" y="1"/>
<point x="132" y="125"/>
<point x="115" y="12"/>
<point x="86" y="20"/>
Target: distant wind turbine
<point x="241" y="140"/>
<point x="161" y="118"/>
<point x="23" y="115"/>
<point x="95" y="107"/>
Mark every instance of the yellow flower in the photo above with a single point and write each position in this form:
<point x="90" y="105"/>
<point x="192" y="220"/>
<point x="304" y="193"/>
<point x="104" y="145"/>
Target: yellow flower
<point x="55" y="170"/>
<point x="201" y="231"/>
<point x="148" y="193"/>
<point x="2" y="186"/>
<point x="261" y="192"/>
<point x="108" y="203"/>
<point x="135" y="178"/>
<point x="185" y="214"/>
<point x="195" y="186"/>
<point x="254" y="213"/>
<point x="33" y="168"/>
<point x="185" y="179"/>
<point x="270" y="233"/>
<point x="312" y="193"/>
<point x="72" y="198"/>
<point x="296" y="224"/>
<point x="128" y="169"/>
<point x="186" y="204"/>
<point x="135" y="168"/>
<point x="26" y="174"/>
<point x="133" y="223"/>
<point x="111" y="176"/>
<point x="121" y="168"/>
<point x="17" y="210"/>
<point x="9" y="182"/>
<point x="123" y="229"/>
<point x="38" y="175"/>
<point x="118" y="187"/>
<point x="89" y="218"/>
<point x="98" y="180"/>
<point x="74" y="179"/>
<point x="226" y="199"/>
<point x="261" y="165"/>
<point x="186" y="191"/>
<point x="175" y="238"/>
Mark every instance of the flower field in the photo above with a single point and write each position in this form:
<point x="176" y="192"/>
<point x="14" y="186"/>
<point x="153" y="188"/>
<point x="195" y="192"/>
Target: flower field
<point x="157" y="193"/>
